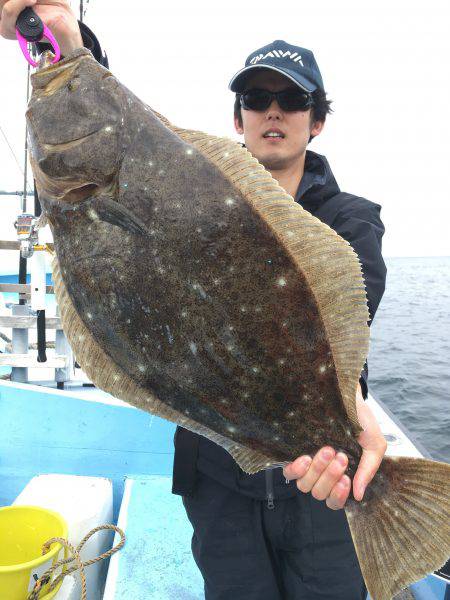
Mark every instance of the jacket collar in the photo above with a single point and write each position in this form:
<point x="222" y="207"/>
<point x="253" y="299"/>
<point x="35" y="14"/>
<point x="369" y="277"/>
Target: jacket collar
<point x="318" y="182"/>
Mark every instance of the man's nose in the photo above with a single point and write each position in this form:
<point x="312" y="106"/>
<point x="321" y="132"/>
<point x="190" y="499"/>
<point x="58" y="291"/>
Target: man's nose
<point x="274" y="111"/>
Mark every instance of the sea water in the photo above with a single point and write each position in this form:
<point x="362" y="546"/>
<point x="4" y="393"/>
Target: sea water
<point x="409" y="358"/>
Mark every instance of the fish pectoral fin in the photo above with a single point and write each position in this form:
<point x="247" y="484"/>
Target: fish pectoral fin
<point x="112" y="212"/>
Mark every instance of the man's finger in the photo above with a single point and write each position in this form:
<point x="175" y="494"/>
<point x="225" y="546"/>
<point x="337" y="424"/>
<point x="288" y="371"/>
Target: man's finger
<point x="297" y="468"/>
<point x="368" y="466"/>
<point x="339" y="494"/>
<point x="319" y="463"/>
<point x="330" y="477"/>
<point x="9" y="11"/>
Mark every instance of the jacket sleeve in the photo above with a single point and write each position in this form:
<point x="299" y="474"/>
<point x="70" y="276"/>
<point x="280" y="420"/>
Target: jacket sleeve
<point x="360" y="224"/>
<point x="89" y="41"/>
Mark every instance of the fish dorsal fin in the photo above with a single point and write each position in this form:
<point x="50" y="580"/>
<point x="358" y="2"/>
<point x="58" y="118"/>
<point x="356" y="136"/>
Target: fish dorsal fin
<point x="328" y="262"/>
<point x="108" y="376"/>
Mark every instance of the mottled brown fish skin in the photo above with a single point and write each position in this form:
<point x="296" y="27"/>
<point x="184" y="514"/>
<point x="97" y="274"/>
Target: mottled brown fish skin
<point x="184" y="332"/>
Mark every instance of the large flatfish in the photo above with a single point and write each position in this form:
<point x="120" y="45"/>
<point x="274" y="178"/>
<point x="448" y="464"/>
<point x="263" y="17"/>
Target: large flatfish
<point x="193" y="287"/>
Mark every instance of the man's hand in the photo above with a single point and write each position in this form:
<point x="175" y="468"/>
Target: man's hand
<point x="323" y="475"/>
<point x="56" y="14"/>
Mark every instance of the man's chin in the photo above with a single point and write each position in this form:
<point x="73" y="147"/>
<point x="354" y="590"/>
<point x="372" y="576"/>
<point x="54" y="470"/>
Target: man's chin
<point x="273" y="162"/>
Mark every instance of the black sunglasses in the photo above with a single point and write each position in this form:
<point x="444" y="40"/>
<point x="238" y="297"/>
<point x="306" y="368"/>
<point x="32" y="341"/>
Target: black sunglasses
<point x="288" y="100"/>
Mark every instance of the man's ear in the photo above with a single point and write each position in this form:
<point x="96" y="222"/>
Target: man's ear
<point x="317" y="127"/>
<point x="238" y="127"/>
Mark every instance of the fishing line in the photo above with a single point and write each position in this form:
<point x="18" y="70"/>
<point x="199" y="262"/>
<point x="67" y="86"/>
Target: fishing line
<point x="12" y="151"/>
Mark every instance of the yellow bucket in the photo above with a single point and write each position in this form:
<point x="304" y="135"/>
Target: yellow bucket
<point x="23" y="531"/>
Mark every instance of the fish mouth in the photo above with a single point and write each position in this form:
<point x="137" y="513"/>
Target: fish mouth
<point x="50" y="78"/>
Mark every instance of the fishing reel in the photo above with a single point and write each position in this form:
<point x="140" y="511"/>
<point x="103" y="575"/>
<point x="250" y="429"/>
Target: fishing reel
<point x="27" y="234"/>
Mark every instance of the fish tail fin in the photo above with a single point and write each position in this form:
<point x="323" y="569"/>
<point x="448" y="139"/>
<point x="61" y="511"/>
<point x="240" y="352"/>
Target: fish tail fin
<point x="401" y="529"/>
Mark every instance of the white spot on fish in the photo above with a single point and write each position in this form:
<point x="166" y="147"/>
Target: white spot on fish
<point x="231" y="429"/>
<point x="189" y="151"/>
<point x="275" y="424"/>
<point x="199" y="230"/>
<point x="169" y="334"/>
<point x="89" y="316"/>
<point x="193" y="348"/>
<point x="92" y="214"/>
<point x="348" y="432"/>
<point x="276" y="438"/>
<point x="226" y="154"/>
<point x="108" y="128"/>
<point x="281" y="282"/>
<point x="223" y="401"/>
<point x="150" y="163"/>
<point x="281" y="361"/>
<point x="243" y="309"/>
<point x="291" y="414"/>
<point x="161" y="172"/>
<point x="142" y="368"/>
<point x="184" y="313"/>
<point x="231" y="269"/>
<point x="255" y="369"/>
<point x="216" y="281"/>
<point x="230" y="201"/>
<point x="230" y="347"/>
<point x="257" y="309"/>
<point x="198" y="288"/>
<point x="322" y="368"/>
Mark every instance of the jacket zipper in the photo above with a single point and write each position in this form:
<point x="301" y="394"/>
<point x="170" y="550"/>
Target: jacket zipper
<point x="269" y="489"/>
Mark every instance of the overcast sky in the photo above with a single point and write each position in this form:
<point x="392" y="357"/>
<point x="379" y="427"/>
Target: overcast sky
<point x="385" y="65"/>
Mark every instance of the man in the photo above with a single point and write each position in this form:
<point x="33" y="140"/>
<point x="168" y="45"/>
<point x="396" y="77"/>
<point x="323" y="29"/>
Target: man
<point x="256" y="537"/>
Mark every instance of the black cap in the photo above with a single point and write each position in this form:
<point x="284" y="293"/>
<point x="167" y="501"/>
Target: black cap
<point x="298" y="64"/>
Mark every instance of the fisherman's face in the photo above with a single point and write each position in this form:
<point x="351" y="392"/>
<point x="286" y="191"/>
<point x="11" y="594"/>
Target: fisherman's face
<point x="279" y="153"/>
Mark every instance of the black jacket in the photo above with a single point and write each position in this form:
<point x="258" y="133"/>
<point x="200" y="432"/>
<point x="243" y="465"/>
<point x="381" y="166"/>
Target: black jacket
<point x="355" y="219"/>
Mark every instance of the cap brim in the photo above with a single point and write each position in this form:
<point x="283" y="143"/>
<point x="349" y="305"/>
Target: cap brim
<point x="239" y="79"/>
